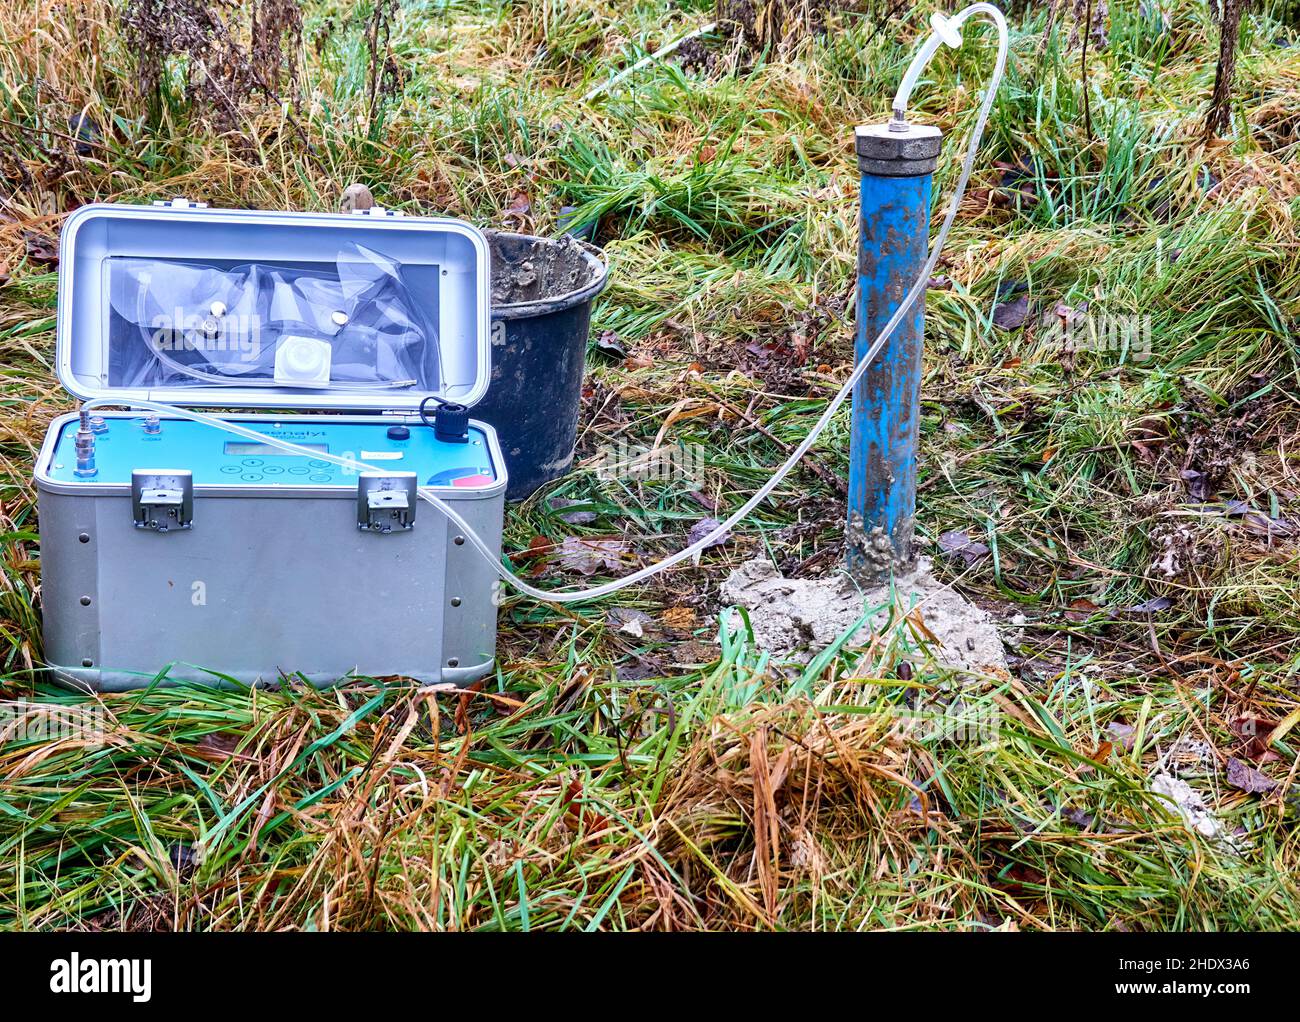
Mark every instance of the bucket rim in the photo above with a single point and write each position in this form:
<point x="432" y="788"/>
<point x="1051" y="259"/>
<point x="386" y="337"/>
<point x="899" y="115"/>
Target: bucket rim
<point x="593" y="256"/>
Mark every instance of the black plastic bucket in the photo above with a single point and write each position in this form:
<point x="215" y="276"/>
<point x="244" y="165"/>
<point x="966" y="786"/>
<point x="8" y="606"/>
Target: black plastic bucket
<point x="542" y="291"/>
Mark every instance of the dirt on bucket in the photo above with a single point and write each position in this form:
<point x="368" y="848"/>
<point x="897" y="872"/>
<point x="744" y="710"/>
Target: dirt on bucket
<point x="528" y="269"/>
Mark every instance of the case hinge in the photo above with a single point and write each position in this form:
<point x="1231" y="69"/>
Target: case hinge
<point x="162" y="499"/>
<point x="375" y="211"/>
<point x="386" y="501"/>
<point x="180" y="202"/>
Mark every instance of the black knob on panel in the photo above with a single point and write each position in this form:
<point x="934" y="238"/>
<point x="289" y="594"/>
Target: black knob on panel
<point x="398" y="433"/>
<point x="451" y="423"/>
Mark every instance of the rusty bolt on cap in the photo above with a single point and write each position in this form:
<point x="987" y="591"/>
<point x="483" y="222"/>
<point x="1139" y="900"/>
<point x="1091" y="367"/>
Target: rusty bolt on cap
<point x="885" y="151"/>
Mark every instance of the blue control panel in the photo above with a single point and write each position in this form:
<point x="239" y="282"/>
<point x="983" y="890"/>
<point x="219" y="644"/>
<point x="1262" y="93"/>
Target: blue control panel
<point x="216" y="457"/>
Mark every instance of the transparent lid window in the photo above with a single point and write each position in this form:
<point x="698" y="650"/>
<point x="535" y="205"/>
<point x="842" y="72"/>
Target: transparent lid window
<point x="350" y="322"/>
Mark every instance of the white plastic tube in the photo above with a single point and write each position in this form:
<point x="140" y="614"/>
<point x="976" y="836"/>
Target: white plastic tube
<point x="942" y="31"/>
<point x="493" y="557"/>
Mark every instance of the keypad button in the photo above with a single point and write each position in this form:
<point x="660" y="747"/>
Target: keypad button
<point x="231" y="469"/>
<point x="319" y="464"/>
<point x="320" y="479"/>
<point x="251" y="477"/>
<point x="299" y="470"/>
<point x="252" y="462"/>
<point x="273" y="470"/>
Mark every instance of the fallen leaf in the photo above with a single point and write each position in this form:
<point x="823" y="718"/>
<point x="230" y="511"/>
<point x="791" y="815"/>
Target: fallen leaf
<point x="588" y="819"/>
<point x="1256" y="732"/>
<point x="1250" y="725"/>
<point x="609" y="343"/>
<point x="588" y="556"/>
<point x="462" y="706"/>
<point x="1098" y="755"/>
<point x="219" y="746"/>
<point x="1151" y="606"/>
<point x="1018" y="182"/>
<point x="185" y="858"/>
<point x="959" y="544"/>
<point x="1258" y="523"/>
<point x="1081" y="610"/>
<point x="537" y="546"/>
<point x="702" y="528"/>
<point x="630" y="621"/>
<point x="1124" y="733"/>
<point x="41" y="249"/>
<point x="1247" y="778"/>
<point x="641" y="668"/>
<point x="704" y="500"/>
<point x="87" y="133"/>
<point x="1011" y="315"/>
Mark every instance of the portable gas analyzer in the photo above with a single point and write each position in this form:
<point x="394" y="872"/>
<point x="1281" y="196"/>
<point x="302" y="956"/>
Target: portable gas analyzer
<point x="173" y="549"/>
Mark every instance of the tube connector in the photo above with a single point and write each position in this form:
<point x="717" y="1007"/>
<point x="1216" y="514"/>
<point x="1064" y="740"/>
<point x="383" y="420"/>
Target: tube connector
<point x="944" y="28"/>
<point x="84" y="446"/>
<point x="944" y="31"/>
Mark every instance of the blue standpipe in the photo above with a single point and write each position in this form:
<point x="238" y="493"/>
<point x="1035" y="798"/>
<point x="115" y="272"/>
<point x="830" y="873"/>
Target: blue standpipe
<point x="896" y="162"/>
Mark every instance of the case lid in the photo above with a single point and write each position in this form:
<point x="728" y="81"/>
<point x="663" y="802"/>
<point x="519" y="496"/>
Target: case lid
<point x="240" y="308"/>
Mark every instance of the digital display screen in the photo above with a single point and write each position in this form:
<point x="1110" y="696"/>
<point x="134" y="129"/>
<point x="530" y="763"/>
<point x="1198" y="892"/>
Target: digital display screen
<point x="241" y="448"/>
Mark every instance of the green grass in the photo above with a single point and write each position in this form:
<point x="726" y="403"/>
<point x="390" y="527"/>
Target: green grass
<point x="683" y="779"/>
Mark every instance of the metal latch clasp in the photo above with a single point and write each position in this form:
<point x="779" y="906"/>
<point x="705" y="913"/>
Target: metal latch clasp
<point x="162" y="499"/>
<point x="386" y="501"/>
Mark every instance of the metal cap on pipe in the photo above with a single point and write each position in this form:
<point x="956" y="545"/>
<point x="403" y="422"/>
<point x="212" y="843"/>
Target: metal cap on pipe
<point x="898" y="149"/>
